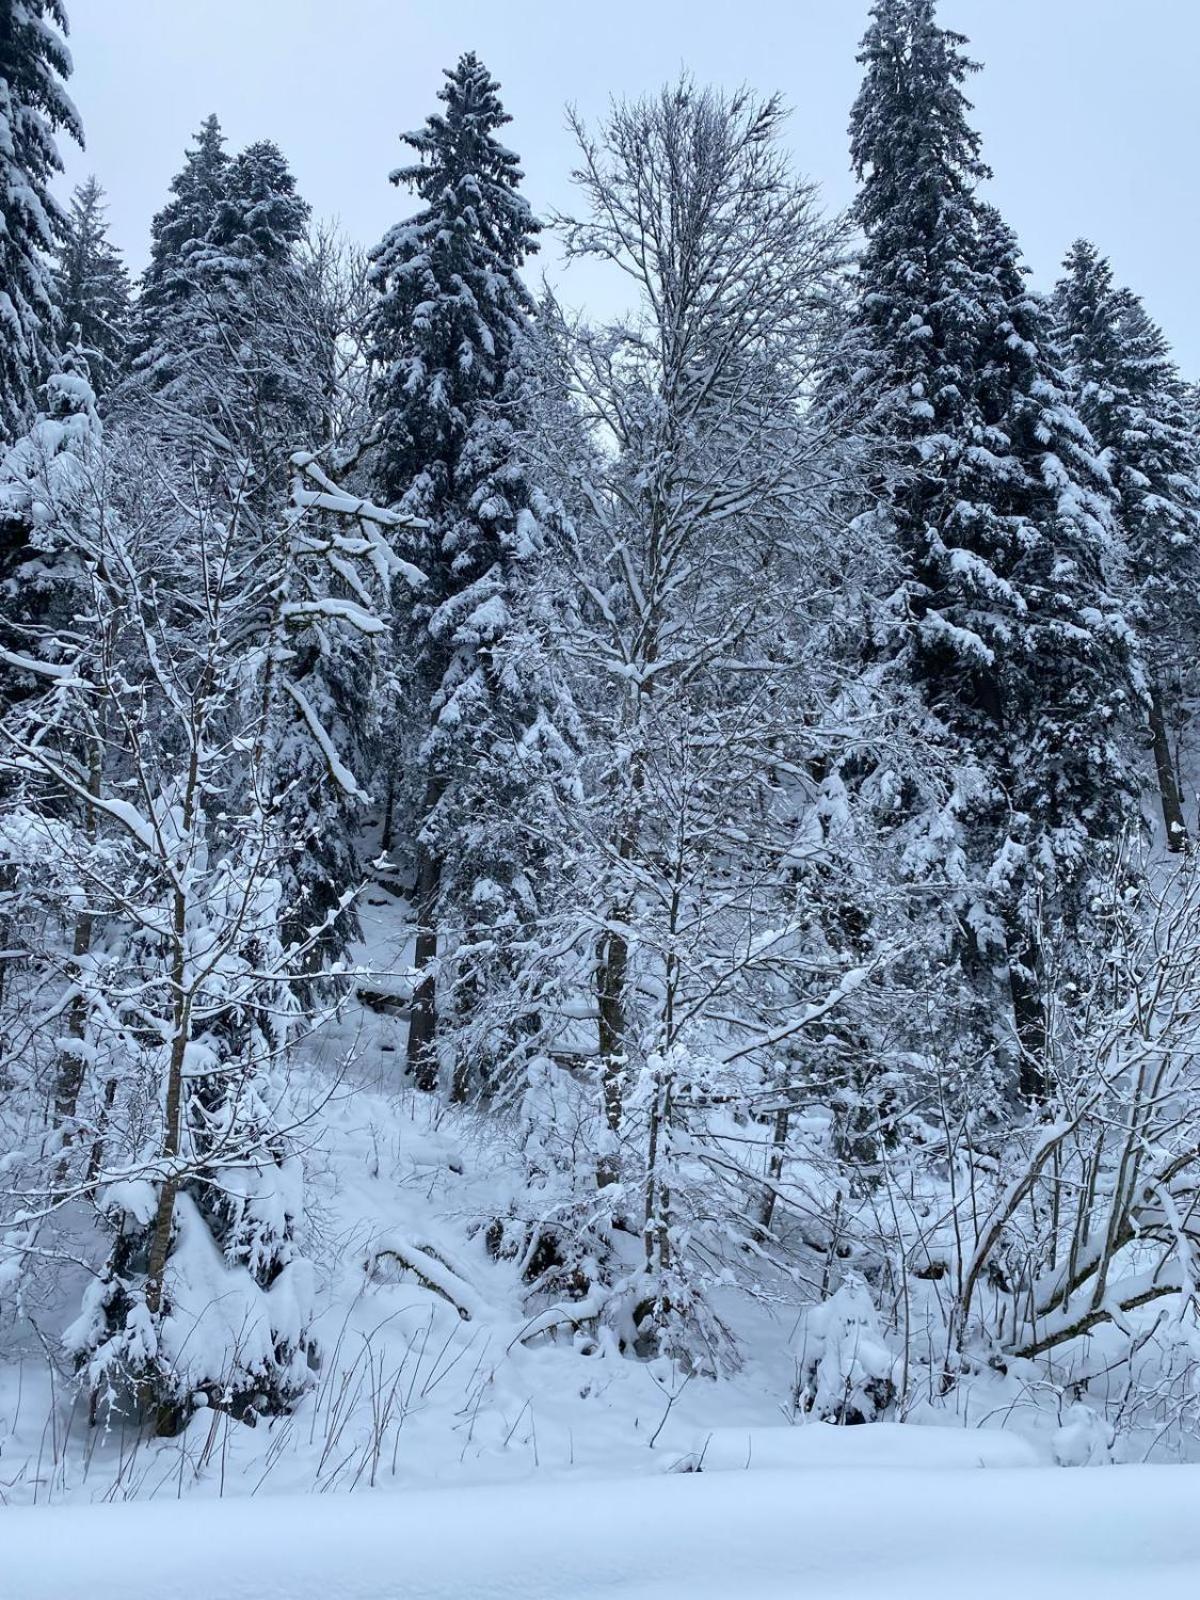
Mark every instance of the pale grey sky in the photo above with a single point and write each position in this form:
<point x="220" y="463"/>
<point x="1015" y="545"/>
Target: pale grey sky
<point x="1090" y="109"/>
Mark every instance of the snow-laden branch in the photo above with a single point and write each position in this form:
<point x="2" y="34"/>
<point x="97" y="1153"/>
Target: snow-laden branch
<point x="338" y="769"/>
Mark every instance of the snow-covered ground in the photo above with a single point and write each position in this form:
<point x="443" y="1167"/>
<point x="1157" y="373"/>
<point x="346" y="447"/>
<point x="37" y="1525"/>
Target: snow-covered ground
<point x="442" y="1456"/>
<point x="804" y="1534"/>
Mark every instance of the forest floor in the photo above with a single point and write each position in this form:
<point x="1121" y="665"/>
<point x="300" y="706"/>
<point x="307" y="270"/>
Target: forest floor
<point x="808" y="1534"/>
<point x="553" y="1468"/>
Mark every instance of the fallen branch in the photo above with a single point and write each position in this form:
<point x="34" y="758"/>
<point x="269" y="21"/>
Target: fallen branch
<point x="431" y="1271"/>
<point x="567" y="1314"/>
<point x="1136" y="1292"/>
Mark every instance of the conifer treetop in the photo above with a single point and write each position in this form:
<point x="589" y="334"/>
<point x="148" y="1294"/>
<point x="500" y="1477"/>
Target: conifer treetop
<point x="261" y="210"/>
<point x="198" y="191"/>
<point x="919" y="163"/>
<point x="463" y="168"/>
<point x="34" y="105"/>
<point x="1130" y="394"/>
<point x="452" y="307"/>
<point x="910" y="123"/>
<point x="93" y="285"/>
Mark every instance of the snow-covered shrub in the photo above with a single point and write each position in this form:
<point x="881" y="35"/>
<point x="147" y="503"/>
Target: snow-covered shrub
<point x="1085" y="1438"/>
<point x="846" y="1371"/>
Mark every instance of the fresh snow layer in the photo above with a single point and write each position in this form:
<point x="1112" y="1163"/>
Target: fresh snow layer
<point x="883" y="1444"/>
<point x="801" y="1534"/>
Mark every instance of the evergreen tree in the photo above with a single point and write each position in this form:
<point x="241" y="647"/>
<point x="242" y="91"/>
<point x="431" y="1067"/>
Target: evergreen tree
<point x="256" y="287"/>
<point x="452" y="305"/>
<point x="46" y="477"/>
<point x="34" y="61"/>
<point x="260" y="216"/>
<point x="166" y="336"/>
<point x="340" y="675"/>
<point x="224" y="348"/>
<point x="482" y="707"/>
<point x="37" y="584"/>
<point x="237" y="371"/>
<point x="1002" y="511"/>
<point x="93" y="287"/>
<point x="184" y="221"/>
<point x="1129" y="393"/>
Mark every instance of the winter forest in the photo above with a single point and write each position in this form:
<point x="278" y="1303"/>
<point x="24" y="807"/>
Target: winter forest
<point x="578" y="895"/>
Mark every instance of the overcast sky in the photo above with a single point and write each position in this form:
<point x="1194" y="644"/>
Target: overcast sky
<point x="1090" y="109"/>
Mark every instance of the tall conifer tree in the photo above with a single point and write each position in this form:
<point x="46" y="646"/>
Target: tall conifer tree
<point x="237" y="369"/>
<point x="1128" y="391"/>
<point x="483" y="713"/>
<point x="183" y="223"/>
<point x="1002" y="510"/>
<point x="223" y="340"/>
<point x="93" y="287"/>
<point x="34" y="105"/>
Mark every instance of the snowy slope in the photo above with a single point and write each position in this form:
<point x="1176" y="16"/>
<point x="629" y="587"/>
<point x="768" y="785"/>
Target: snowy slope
<point x="411" y="1394"/>
<point x="546" y="1471"/>
<point x="772" y="1535"/>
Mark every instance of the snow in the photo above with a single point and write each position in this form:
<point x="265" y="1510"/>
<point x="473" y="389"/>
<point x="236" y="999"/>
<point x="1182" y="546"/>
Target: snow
<point x="508" y="1458"/>
<point x="459" y="1426"/>
<point x="336" y="609"/>
<point x="338" y="769"/>
<point x="45" y="669"/>
<point x="727" y="1535"/>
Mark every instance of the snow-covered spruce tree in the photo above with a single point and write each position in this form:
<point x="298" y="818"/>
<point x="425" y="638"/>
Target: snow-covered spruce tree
<point x="344" y="676"/>
<point x="237" y="363"/>
<point x="505" y="743"/>
<point x="34" y="105"/>
<point x="34" y="62"/>
<point x="182" y="225"/>
<point x="48" y="480"/>
<point x="181" y="851"/>
<point x="224" y="359"/>
<point x="1004" y="517"/>
<point x="93" y="287"/>
<point x="37" y="586"/>
<point x="1129" y="392"/>
<point x="260" y="290"/>
<point x="256" y="250"/>
<point x="482" y="716"/>
<point x="178" y="352"/>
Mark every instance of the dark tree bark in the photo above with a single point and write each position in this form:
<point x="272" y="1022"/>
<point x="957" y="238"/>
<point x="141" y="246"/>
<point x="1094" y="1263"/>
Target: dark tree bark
<point x="611" y="970"/>
<point x="422" y="1064"/>
<point x="1169" y="788"/>
<point x="1029" y="1017"/>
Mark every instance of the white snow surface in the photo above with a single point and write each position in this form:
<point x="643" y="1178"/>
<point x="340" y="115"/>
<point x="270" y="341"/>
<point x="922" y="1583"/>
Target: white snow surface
<point x="870" y="1534"/>
<point x="443" y="1454"/>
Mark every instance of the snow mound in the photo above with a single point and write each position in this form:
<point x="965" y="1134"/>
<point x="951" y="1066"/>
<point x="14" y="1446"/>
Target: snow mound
<point x="884" y="1445"/>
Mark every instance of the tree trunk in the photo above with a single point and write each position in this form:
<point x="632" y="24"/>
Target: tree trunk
<point x="611" y="971"/>
<point x="422" y="1064"/>
<point x="96" y="1159"/>
<point x="164" y="1216"/>
<point x="389" y="814"/>
<point x="656" y="1231"/>
<point x="770" y="1189"/>
<point x="70" y="1066"/>
<point x="1029" y="1017"/>
<point x="69" y="1079"/>
<point x="1169" y="788"/>
<point x="612" y="975"/>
